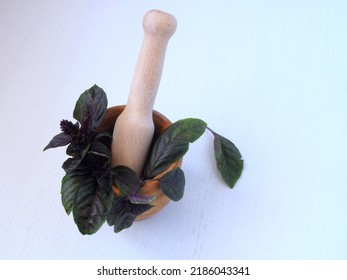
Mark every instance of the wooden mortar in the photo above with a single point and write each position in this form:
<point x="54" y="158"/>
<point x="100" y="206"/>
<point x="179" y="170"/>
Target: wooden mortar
<point x="150" y="187"/>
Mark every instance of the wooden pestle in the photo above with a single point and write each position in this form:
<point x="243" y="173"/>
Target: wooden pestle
<point x="134" y="128"/>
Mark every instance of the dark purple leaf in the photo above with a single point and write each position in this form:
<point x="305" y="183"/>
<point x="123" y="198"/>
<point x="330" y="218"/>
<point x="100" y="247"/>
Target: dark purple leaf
<point x="90" y="107"/>
<point x="105" y="181"/>
<point x="123" y="213"/>
<point x="71" y="164"/>
<point x="126" y="180"/>
<point x="105" y="138"/>
<point x="99" y="149"/>
<point x="62" y="139"/>
<point x="172" y="144"/>
<point x="90" y="207"/>
<point x="172" y="184"/>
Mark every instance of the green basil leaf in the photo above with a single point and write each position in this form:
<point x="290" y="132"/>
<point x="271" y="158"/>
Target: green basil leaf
<point x="172" y="184"/>
<point x="126" y="180"/>
<point x="228" y="158"/>
<point x="61" y="139"/>
<point x="90" y="107"/>
<point x="69" y="186"/>
<point x="90" y="207"/>
<point x="172" y="144"/>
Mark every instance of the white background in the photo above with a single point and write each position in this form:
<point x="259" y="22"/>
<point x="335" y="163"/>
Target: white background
<point x="268" y="75"/>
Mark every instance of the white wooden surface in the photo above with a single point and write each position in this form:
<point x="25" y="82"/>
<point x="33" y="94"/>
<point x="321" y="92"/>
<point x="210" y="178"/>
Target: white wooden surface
<point x="269" y="75"/>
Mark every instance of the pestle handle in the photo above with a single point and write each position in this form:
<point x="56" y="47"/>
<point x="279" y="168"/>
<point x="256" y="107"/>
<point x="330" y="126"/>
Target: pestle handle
<point x="134" y="128"/>
<point x="158" y="28"/>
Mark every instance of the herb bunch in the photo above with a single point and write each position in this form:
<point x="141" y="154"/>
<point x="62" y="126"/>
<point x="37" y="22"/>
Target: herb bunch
<point x="86" y="188"/>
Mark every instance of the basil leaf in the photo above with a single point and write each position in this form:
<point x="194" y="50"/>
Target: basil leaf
<point x="228" y="158"/>
<point x="141" y="199"/>
<point x="71" y="164"/>
<point x="119" y="217"/>
<point x="105" y="182"/>
<point x="138" y="209"/>
<point x="172" y="184"/>
<point x="99" y="149"/>
<point x="105" y="138"/>
<point x="61" y="139"/>
<point x="105" y="134"/>
<point x="172" y="144"/>
<point x="123" y="221"/>
<point x="90" y="207"/>
<point x="125" y="179"/>
<point x="69" y="186"/>
<point x="90" y="107"/>
<point x="123" y="213"/>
